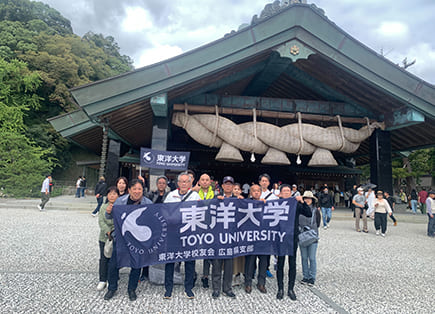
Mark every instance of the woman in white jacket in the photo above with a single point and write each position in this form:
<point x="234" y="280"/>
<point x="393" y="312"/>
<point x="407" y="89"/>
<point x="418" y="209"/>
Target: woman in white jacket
<point x="382" y="208"/>
<point x="370" y="197"/>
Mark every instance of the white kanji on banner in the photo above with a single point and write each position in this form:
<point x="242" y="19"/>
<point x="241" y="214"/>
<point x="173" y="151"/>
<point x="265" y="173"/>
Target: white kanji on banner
<point x="276" y="212"/>
<point x="250" y="215"/>
<point x="226" y="214"/>
<point x="193" y="217"/>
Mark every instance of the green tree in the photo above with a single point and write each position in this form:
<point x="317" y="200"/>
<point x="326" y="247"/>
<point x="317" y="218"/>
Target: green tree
<point x="399" y="172"/>
<point x="41" y="37"/>
<point x="25" y="11"/>
<point x="420" y="161"/>
<point x="23" y="164"/>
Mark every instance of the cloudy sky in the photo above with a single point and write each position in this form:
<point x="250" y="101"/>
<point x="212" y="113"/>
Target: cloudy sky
<point x="152" y="30"/>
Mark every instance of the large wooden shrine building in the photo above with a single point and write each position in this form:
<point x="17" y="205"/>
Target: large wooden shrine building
<point x="293" y="66"/>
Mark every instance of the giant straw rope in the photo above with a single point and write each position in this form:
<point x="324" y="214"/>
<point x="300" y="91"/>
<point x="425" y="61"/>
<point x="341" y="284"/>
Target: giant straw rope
<point x="272" y="141"/>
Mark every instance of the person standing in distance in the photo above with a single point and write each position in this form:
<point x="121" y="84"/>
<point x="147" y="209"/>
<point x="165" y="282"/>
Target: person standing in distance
<point x="359" y="202"/>
<point x="326" y="204"/>
<point x="100" y="192"/>
<point x="430" y="207"/>
<point x="45" y="192"/>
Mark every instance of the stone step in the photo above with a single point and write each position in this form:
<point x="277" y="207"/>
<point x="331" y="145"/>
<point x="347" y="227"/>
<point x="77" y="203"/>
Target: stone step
<point x="60" y="202"/>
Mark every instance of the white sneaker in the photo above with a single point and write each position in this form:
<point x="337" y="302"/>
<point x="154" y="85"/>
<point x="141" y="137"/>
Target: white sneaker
<point x="237" y="281"/>
<point x="94" y="215"/>
<point x="39" y="207"/>
<point x="377" y="232"/>
<point x="101" y="285"/>
<point x="325" y="227"/>
<point x="383" y="234"/>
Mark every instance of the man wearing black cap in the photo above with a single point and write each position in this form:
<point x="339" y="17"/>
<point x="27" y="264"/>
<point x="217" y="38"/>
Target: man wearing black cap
<point x="227" y="186"/>
<point x="430" y="208"/>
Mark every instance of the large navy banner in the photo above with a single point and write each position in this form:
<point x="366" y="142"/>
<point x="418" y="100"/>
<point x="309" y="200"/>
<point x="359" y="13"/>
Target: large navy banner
<point x="174" y="232"/>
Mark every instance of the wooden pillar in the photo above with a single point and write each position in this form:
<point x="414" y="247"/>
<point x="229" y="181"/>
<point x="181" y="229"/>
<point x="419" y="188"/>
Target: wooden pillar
<point x="103" y="152"/>
<point x="112" y="168"/>
<point x="159" y="141"/>
<point x="381" y="172"/>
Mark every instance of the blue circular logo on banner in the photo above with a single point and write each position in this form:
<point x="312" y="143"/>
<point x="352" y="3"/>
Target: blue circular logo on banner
<point x="148" y="157"/>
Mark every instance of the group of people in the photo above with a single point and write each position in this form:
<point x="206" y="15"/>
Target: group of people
<point x="417" y="200"/>
<point x="313" y="209"/>
<point x="377" y="207"/>
<point x="223" y="271"/>
<point x="427" y="205"/>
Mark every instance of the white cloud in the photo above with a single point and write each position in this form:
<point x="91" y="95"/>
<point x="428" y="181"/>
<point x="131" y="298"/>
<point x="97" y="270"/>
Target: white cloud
<point x="393" y="29"/>
<point x="143" y="27"/>
<point x="137" y="20"/>
<point x="158" y="53"/>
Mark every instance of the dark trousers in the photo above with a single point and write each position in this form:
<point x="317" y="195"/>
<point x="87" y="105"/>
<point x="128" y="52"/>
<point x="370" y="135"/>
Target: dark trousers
<point x="145" y="273"/>
<point x="99" y="203"/>
<point x="291" y="271"/>
<point x="44" y="199"/>
<point x="423" y="208"/>
<point x="216" y="274"/>
<point x="113" y="273"/>
<point x="381" y="222"/>
<point x="250" y="262"/>
<point x="189" y="269"/>
<point x="206" y="267"/>
<point x="104" y="263"/>
<point x="431" y="226"/>
<point x="393" y="218"/>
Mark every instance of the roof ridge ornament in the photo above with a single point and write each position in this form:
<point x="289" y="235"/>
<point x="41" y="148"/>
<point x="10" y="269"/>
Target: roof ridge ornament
<point x="272" y="9"/>
<point x="294" y="50"/>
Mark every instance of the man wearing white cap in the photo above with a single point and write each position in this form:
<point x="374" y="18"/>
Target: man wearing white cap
<point x="359" y="201"/>
<point x="295" y="191"/>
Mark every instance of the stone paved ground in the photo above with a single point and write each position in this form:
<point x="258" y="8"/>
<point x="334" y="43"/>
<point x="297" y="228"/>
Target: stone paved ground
<point x="49" y="264"/>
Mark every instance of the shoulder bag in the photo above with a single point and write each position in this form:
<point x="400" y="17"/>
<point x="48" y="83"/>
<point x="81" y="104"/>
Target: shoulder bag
<point x="308" y="236"/>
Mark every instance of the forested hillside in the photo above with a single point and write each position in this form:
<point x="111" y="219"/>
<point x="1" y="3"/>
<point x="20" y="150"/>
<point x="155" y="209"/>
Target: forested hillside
<point x="40" y="59"/>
